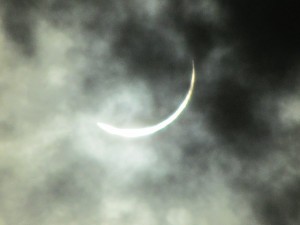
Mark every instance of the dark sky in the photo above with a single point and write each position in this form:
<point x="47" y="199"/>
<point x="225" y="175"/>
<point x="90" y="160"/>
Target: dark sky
<point x="231" y="158"/>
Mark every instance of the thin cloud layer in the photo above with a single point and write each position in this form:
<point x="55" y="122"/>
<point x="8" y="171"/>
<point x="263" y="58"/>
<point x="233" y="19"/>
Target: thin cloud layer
<point x="231" y="158"/>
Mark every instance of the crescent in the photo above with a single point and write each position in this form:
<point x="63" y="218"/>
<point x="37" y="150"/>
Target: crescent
<point x="139" y="132"/>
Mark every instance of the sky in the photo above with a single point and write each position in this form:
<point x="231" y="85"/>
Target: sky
<point x="232" y="157"/>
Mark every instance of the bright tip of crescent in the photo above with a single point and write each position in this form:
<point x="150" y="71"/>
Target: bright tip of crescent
<point x="139" y="132"/>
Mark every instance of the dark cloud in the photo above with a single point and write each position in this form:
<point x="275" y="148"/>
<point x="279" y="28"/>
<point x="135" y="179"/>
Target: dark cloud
<point x="19" y="24"/>
<point x="267" y="32"/>
<point x="233" y="117"/>
<point x="280" y="207"/>
<point x="147" y="47"/>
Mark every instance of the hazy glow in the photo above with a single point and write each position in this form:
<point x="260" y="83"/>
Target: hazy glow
<point x="139" y="132"/>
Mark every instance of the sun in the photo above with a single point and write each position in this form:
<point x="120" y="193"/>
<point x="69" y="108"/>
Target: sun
<point x="145" y="131"/>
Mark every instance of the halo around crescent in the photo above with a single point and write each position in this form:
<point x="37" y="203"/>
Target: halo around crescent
<point x="144" y="131"/>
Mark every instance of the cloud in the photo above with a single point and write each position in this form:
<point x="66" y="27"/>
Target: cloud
<point x="232" y="156"/>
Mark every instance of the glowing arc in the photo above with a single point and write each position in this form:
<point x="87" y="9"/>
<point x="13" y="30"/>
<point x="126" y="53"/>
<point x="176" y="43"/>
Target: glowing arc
<point x="139" y="132"/>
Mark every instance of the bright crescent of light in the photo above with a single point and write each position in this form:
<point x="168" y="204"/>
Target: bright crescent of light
<point x="139" y="132"/>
